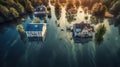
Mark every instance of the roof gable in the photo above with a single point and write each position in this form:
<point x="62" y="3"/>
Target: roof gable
<point x="40" y="8"/>
<point x="83" y="26"/>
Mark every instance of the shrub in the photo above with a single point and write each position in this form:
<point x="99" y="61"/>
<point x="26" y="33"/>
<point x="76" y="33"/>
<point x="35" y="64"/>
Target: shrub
<point x="36" y="21"/>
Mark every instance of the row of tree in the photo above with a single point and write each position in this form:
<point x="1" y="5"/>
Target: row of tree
<point x="99" y="7"/>
<point x="10" y="9"/>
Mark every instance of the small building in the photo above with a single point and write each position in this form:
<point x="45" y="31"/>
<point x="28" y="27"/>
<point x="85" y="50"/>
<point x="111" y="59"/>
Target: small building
<point x="40" y="11"/>
<point x="83" y="30"/>
<point x="36" y="31"/>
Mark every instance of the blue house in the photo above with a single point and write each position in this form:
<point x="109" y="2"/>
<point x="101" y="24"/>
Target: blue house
<point x="36" y="32"/>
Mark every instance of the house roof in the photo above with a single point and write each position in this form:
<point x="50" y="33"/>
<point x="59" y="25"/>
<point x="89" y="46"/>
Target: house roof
<point x="83" y="25"/>
<point x="40" y="8"/>
<point x="34" y="27"/>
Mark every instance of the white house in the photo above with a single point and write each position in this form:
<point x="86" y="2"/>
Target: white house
<point x="83" y="30"/>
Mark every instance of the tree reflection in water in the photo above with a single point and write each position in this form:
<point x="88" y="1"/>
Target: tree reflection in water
<point x="2" y="29"/>
<point x="11" y="24"/>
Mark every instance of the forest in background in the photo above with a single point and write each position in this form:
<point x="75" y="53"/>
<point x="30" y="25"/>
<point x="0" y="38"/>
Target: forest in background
<point x="12" y="9"/>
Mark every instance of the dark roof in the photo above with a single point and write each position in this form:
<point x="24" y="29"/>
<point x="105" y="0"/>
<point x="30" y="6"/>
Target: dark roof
<point x="83" y="25"/>
<point x="40" y="8"/>
<point x="34" y="27"/>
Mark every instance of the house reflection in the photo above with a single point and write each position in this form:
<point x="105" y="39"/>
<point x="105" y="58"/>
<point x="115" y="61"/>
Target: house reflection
<point x="82" y="40"/>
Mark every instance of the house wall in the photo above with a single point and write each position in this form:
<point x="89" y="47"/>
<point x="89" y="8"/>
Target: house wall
<point x="37" y="35"/>
<point x="44" y="30"/>
<point x="34" y="33"/>
<point x="35" y="38"/>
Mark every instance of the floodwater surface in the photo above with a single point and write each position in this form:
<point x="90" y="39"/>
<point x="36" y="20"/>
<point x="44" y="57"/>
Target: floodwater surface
<point x="59" y="49"/>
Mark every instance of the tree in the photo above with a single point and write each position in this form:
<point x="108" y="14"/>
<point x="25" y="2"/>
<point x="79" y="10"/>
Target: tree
<point x="4" y="10"/>
<point x="100" y="31"/>
<point x="45" y="2"/>
<point x="69" y="5"/>
<point x="57" y="10"/>
<point x="98" y="10"/>
<point x="14" y="12"/>
<point x="115" y="8"/>
<point x="19" y="8"/>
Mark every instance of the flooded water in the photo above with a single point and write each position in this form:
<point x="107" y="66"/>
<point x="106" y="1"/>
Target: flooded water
<point x="59" y="50"/>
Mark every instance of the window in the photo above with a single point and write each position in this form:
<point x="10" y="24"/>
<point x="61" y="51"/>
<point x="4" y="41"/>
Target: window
<point x="36" y="26"/>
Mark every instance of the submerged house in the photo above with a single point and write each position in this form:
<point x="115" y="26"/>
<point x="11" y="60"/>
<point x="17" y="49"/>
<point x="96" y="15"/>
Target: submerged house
<point x="36" y="31"/>
<point x="83" y="30"/>
<point x="40" y="11"/>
